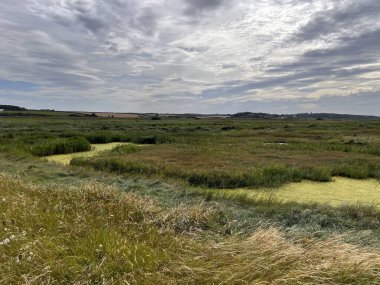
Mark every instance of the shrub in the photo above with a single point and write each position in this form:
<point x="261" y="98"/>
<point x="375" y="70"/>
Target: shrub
<point x="321" y="174"/>
<point x="146" y="140"/>
<point x="61" y="146"/>
<point x="98" y="138"/>
<point x="356" y="171"/>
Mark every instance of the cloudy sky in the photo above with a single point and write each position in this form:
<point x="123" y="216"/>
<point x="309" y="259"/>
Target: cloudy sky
<point x="203" y="56"/>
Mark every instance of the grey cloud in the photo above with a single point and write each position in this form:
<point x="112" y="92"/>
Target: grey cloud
<point x="199" y="6"/>
<point x="161" y="54"/>
<point x="146" y="21"/>
<point x="94" y="24"/>
<point x="193" y="49"/>
<point x="366" y="46"/>
<point x="295" y="80"/>
<point x="340" y="62"/>
<point x="204" y="4"/>
<point x="344" y="16"/>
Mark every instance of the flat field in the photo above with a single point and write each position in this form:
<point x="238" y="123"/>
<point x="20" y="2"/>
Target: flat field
<point x="188" y="200"/>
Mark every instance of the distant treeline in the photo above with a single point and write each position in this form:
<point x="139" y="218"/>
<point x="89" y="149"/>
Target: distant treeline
<point x="12" y="108"/>
<point x="268" y="116"/>
<point x="240" y="115"/>
<point x="318" y="116"/>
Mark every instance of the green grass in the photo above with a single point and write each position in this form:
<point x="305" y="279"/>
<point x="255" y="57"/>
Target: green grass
<point x="126" y="149"/>
<point x="261" y="176"/>
<point x="341" y="191"/>
<point x="61" y="146"/>
<point x="167" y="212"/>
<point x="97" y="234"/>
<point x="85" y="234"/>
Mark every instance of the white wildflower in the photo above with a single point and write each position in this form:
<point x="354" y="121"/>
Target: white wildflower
<point x="5" y="241"/>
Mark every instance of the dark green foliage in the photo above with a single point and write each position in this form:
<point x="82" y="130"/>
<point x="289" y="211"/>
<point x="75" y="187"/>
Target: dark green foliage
<point x="146" y="140"/>
<point x="12" y="108"/>
<point x="61" y="146"/>
<point x="107" y="137"/>
<point x="99" y="138"/>
<point x="321" y="174"/>
<point x="266" y="176"/>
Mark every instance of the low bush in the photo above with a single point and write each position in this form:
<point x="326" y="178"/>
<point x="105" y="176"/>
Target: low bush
<point x="61" y="146"/>
<point x="108" y="137"/>
<point x="321" y="174"/>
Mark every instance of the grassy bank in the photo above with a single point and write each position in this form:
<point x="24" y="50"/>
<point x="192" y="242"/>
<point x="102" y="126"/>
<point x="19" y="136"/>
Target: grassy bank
<point x="261" y="176"/>
<point x="97" y="234"/>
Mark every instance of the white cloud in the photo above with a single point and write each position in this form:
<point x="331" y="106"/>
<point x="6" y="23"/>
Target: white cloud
<point x="212" y="52"/>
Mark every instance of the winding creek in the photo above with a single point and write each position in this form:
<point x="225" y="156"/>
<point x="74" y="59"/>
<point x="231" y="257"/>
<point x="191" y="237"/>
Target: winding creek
<point x="338" y="192"/>
<point x="96" y="149"/>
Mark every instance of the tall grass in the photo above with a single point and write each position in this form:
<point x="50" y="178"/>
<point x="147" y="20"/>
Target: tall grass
<point x="61" y="146"/>
<point x="96" y="234"/>
<point x="267" y="257"/>
<point x="138" y="138"/>
<point x="88" y="235"/>
<point x="263" y="176"/>
<point x="125" y="149"/>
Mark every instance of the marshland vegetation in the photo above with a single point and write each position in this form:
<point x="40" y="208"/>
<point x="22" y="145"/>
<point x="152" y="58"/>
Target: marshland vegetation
<point x="173" y="201"/>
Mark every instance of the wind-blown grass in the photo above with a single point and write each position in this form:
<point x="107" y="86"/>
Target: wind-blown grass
<point x="79" y="235"/>
<point x="95" y="234"/>
<point x="267" y="257"/>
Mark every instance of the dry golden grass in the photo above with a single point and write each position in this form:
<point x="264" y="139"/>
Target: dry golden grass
<point x="184" y="219"/>
<point x="268" y="257"/>
<point x="96" y="234"/>
<point x="86" y="235"/>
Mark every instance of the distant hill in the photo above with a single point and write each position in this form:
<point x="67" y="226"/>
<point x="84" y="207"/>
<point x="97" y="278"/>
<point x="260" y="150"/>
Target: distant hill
<point x="20" y="111"/>
<point x="317" y="116"/>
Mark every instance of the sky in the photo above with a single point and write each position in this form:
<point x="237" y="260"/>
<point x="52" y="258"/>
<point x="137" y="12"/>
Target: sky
<point x="191" y="56"/>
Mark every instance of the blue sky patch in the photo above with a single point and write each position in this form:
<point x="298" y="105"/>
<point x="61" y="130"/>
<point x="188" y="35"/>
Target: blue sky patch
<point x="17" y="85"/>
